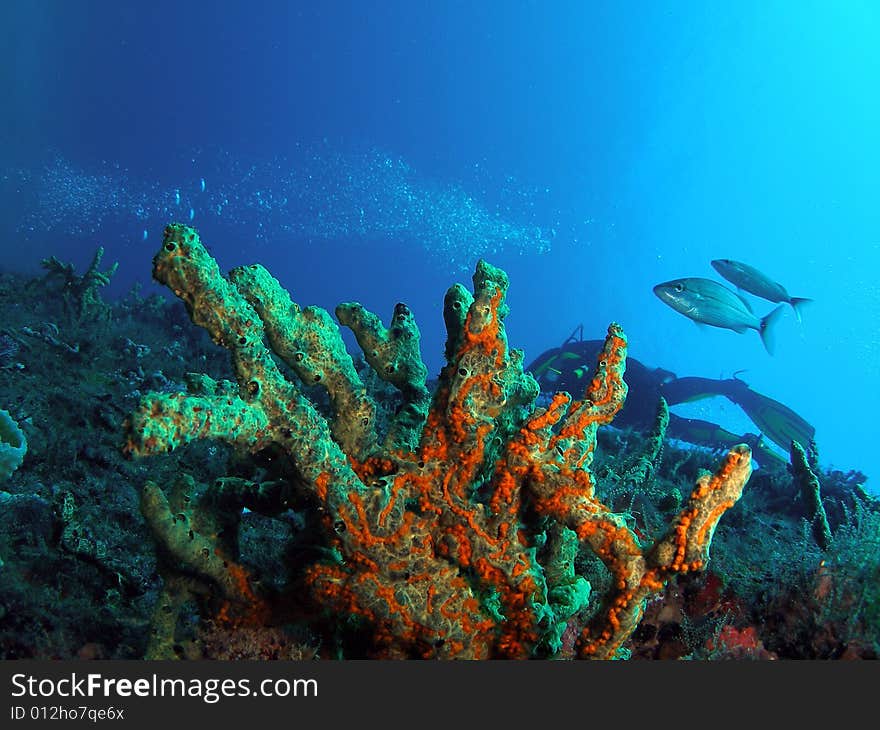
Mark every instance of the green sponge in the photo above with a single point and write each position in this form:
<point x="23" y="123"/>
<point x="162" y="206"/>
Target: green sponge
<point x="13" y="446"/>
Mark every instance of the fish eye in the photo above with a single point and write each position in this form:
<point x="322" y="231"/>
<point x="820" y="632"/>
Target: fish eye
<point x="679" y="287"/>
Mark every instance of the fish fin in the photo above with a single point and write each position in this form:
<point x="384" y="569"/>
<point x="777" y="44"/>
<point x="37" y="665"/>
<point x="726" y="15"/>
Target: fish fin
<point x="744" y="300"/>
<point x="796" y="304"/>
<point x="767" y="329"/>
<point x="742" y="329"/>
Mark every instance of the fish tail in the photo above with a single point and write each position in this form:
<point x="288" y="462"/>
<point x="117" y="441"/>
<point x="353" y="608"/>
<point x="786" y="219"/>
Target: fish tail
<point x="767" y="329"/>
<point x="796" y="304"/>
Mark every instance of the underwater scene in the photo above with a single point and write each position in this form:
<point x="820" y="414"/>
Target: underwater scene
<point x="439" y="330"/>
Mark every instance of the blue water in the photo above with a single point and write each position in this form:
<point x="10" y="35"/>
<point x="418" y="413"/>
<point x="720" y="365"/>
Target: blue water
<point x="373" y="151"/>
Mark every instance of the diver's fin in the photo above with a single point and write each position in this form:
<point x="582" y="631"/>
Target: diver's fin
<point x="796" y="304"/>
<point x="705" y="433"/>
<point x="775" y="421"/>
<point x="700" y="432"/>
<point x="767" y="329"/>
<point x="764" y="453"/>
<point x="691" y="388"/>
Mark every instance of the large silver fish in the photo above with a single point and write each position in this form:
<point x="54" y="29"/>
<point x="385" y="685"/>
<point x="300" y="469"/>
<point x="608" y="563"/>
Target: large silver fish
<point x="749" y="279"/>
<point x="707" y="302"/>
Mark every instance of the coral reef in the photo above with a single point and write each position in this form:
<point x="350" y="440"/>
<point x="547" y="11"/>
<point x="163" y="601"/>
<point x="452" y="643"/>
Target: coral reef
<point x="82" y="576"/>
<point x="454" y="533"/>
<point x="81" y="294"/>
<point x="13" y="445"/>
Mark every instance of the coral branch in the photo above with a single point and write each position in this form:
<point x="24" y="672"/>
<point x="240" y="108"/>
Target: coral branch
<point x="81" y="294"/>
<point x="811" y="492"/>
<point x="395" y="357"/>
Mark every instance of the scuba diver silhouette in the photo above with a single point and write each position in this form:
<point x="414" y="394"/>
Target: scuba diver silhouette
<point x="570" y="366"/>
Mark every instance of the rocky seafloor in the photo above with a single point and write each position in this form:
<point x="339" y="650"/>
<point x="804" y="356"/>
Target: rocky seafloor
<point x="79" y="576"/>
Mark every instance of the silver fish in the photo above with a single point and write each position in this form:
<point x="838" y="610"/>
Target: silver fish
<point x="749" y="279"/>
<point x="707" y="302"/>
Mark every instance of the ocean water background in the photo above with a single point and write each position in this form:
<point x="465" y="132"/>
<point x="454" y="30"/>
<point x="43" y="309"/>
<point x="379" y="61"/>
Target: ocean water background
<point x="374" y="151"/>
